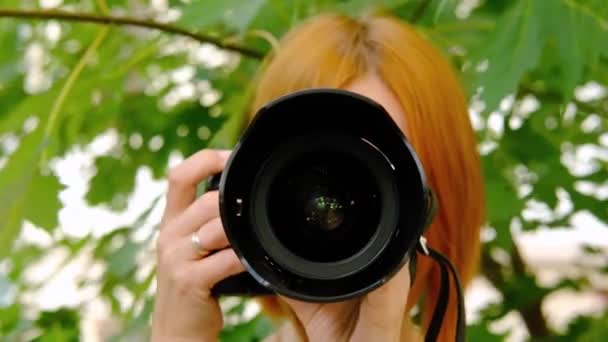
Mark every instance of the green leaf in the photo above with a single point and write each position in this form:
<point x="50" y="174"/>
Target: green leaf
<point x="356" y="7"/>
<point x="59" y="325"/>
<point x="122" y="261"/>
<point x="13" y="323"/>
<point x="42" y="201"/>
<point x="481" y="332"/>
<point x="497" y="6"/>
<point x="540" y="156"/>
<point x="25" y="193"/>
<point x="11" y="316"/>
<point x="141" y="116"/>
<point x="565" y="24"/>
<point x="586" y="328"/>
<point x="56" y="333"/>
<point x="235" y="14"/>
<point x="11" y="96"/>
<point x="135" y="328"/>
<point x="503" y="203"/>
<point x="103" y="246"/>
<point x="230" y="131"/>
<point x="11" y="51"/>
<point x="24" y="106"/>
<point x="522" y="292"/>
<point x="502" y="197"/>
<point x="594" y="205"/>
<point x="21" y="259"/>
<point x="511" y="51"/>
<point x="234" y="108"/>
<point x="109" y="182"/>
<point x="252" y="331"/>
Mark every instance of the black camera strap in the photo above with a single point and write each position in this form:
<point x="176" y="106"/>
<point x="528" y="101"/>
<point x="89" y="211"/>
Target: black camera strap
<point x="445" y="267"/>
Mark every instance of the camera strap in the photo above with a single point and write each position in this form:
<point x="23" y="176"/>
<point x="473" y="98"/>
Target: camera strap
<point x="446" y="267"/>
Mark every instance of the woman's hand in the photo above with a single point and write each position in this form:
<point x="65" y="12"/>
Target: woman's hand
<point x="377" y="316"/>
<point x="184" y="309"/>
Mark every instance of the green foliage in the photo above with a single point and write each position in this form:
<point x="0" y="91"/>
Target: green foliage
<point x="58" y="326"/>
<point x="586" y="329"/>
<point x="255" y="329"/>
<point x="528" y="28"/>
<point x="233" y="14"/>
<point x="513" y="49"/>
<point x="156" y="96"/>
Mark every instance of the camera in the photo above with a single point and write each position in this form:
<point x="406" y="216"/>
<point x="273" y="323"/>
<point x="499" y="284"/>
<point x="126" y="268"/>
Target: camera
<point x="323" y="198"/>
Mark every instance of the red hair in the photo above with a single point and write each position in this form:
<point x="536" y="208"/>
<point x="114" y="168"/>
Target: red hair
<point x="333" y="51"/>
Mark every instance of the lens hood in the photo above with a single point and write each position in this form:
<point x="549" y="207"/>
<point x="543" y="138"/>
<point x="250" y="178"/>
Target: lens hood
<point x="323" y="198"/>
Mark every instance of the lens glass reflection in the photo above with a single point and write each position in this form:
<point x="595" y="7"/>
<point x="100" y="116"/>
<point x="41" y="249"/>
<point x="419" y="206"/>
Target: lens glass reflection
<point x="324" y="207"/>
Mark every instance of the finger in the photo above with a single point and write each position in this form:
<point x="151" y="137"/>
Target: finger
<point x="396" y="289"/>
<point x="217" y="267"/>
<point x="203" y="210"/>
<point x="307" y="312"/>
<point x="184" y="178"/>
<point x="382" y="310"/>
<point x="211" y="237"/>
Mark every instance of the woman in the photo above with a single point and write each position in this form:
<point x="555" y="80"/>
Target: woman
<point x="387" y="61"/>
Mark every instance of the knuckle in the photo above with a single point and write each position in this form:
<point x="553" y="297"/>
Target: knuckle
<point x="164" y="225"/>
<point x="211" y="157"/>
<point x="174" y="176"/>
<point x="161" y="244"/>
<point x="214" y="235"/>
<point x="216" y="229"/>
<point x="182" y="280"/>
<point x="233" y="262"/>
<point x="165" y="249"/>
<point x="209" y="201"/>
<point x="164" y="255"/>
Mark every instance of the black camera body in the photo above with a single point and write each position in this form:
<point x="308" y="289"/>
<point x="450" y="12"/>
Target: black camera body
<point x="323" y="198"/>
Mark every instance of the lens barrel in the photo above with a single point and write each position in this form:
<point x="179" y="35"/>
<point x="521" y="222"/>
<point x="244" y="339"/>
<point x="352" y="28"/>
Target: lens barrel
<point x="323" y="198"/>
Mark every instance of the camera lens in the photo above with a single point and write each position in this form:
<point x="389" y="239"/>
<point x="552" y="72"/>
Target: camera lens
<point x="323" y="210"/>
<point x="324" y="206"/>
<point x="323" y="198"/>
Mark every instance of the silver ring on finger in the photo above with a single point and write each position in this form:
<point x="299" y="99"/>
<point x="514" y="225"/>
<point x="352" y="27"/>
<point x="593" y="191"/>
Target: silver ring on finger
<point x="198" y="246"/>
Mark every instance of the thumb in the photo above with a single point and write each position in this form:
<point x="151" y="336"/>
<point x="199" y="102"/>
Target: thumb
<point x="382" y="311"/>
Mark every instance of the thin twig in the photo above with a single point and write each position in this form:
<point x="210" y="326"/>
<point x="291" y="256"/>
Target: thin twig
<point x="419" y="11"/>
<point x="69" y="84"/>
<point x="128" y="21"/>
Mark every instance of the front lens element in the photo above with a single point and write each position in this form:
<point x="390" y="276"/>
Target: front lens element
<point x="323" y="210"/>
<point x="324" y="206"/>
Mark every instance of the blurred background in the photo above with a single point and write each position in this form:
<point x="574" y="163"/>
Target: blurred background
<point x="91" y="117"/>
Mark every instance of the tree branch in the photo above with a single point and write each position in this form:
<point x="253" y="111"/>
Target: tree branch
<point x="531" y="314"/>
<point x="419" y="11"/>
<point x="128" y="21"/>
